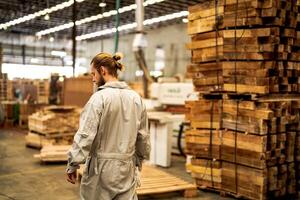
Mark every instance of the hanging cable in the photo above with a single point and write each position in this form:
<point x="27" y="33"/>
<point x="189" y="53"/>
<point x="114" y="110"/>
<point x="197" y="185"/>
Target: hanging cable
<point x="117" y="25"/>
<point x="102" y="5"/>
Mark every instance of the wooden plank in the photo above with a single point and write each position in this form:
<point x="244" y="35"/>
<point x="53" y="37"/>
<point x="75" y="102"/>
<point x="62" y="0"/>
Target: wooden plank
<point x="246" y="88"/>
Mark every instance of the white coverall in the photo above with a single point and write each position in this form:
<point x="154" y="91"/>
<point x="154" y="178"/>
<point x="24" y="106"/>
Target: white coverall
<point x="112" y="141"/>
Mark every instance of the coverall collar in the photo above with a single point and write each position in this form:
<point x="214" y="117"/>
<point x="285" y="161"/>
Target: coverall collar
<point x="114" y="84"/>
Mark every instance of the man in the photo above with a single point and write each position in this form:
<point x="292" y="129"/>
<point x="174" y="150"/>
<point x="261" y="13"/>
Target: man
<point x="112" y="139"/>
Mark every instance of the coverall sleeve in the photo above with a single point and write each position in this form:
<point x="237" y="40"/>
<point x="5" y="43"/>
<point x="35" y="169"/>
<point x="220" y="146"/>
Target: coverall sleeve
<point x="83" y="139"/>
<point x="142" y="145"/>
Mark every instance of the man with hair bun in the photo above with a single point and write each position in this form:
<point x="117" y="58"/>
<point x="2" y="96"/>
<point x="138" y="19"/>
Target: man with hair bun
<point x="113" y="137"/>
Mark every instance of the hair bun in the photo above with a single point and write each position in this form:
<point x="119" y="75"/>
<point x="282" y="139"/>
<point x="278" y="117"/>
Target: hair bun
<point x="120" y="66"/>
<point x="117" y="57"/>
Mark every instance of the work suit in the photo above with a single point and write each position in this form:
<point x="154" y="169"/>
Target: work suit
<point x="112" y="141"/>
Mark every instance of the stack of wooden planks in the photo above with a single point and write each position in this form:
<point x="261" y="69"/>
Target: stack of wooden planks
<point x="52" y="125"/>
<point x="244" y="135"/>
<point x="3" y="86"/>
<point x="42" y="86"/>
<point x="238" y="44"/>
<point x="244" y="146"/>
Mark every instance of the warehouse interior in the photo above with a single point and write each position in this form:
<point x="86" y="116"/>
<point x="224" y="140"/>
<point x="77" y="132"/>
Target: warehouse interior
<point x="219" y="80"/>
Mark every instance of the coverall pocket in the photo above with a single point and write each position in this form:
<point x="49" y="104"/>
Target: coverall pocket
<point x="117" y="174"/>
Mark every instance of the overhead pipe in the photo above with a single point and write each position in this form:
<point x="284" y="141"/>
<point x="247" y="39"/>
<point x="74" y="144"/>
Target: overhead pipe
<point x="139" y="43"/>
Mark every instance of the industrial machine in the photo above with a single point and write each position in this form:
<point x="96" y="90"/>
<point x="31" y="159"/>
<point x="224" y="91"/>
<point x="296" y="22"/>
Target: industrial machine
<point x="166" y="116"/>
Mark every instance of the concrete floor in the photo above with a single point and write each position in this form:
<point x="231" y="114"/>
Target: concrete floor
<point x="23" y="177"/>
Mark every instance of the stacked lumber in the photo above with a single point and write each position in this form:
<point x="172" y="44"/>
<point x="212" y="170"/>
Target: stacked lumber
<point x="53" y="153"/>
<point x="247" y="141"/>
<point x="52" y="125"/>
<point x="238" y="44"/>
<point x="244" y="135"/>
<point x="42" y="90"/>
<point x="55" y="119"/>
<point x="3" y="86"/>
<point x="10" y="90"/>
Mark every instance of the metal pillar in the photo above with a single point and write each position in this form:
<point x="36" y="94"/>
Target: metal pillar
<point x="74" y="33"/>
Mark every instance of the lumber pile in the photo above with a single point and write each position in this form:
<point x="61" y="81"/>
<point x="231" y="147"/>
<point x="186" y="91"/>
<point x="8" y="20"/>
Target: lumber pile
<point x="237" y="44"/>
<point x="245" y="146"/>
<point x="52" y="125"/>
<point x="3" y="86"/>
<point x="244" y="135"/>
<point x="42" y="90"/>
<point x="53" y="153"/>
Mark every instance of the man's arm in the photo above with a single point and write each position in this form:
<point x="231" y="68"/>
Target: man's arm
<point x="142" y="145"/>
<point x="83" y="139"/>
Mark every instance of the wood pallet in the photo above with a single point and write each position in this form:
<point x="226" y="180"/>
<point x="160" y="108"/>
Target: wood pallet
<point x="53" y="153"/>
<point x="155" y="182"/>
<point x="38" y="140"/>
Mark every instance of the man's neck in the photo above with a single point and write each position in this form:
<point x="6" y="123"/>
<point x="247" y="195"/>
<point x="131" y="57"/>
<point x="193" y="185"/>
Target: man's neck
<point x="111" y="79"/>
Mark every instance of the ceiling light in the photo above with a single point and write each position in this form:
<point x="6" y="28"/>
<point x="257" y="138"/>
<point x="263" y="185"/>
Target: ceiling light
<point x="133" y="25"/>
<point x="51" y="39"/>
<point x="97" y="17"/>
<point x="34" y="60"/>
<point x="102" y="4"/>
<point x="47" y="17"/>
<point x="38" y="14"/>
<point x="58" y="53"/>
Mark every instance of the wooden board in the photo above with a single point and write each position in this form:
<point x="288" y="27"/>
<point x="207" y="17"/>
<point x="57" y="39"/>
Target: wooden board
<point x="77" y="91"/>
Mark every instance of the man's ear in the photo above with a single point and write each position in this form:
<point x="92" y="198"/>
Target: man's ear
<point x="103" y="70"/>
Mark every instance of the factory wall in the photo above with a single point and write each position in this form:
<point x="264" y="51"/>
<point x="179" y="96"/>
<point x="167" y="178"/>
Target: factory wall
<point x="171" y="39"/>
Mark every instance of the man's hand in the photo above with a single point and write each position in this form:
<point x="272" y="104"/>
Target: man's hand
<point x="71" y="177"/>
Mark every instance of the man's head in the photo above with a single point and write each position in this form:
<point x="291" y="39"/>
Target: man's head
<point x="104" y="67"/>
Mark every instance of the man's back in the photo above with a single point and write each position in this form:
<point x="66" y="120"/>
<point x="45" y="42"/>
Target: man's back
<point x="122" y="108"/>
<point x="112" y="140"/>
